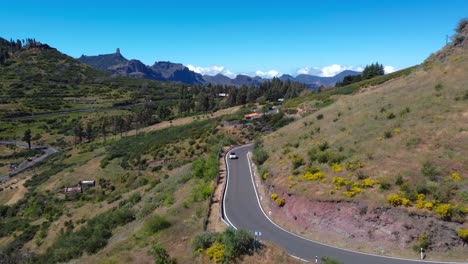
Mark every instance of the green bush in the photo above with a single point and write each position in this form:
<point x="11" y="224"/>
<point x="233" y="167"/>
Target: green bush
<point x="430" y="171"/>
<point x="160" y="255"/>
<point x="259" y="154"/>
<point x="90" y="238"/>
<point x="155" y="224"/>
<point x="328" y="260"/>
<point x="236" y="243"/>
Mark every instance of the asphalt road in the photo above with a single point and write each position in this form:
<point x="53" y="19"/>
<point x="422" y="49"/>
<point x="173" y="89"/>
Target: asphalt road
<point x="242" y="210"/>
<point x="26" y="164"/>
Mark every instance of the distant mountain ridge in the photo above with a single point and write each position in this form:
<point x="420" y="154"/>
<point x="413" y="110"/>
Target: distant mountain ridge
<point x="176" y="72"/>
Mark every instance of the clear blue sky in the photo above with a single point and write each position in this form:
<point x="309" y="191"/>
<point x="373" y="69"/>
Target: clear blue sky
<point x="243" y="36"/>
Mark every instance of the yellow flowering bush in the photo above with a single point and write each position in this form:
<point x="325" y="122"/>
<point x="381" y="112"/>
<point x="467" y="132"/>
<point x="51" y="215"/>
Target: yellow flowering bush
<point x="456" y="176"/>
<point x="274" y="196"/>
<point x="368" y="183"/>
<point x="429" y="205"/>
<point x="291" y="178"/>
<point x="280" y="202"/>
<point x="352" y="192"/>
<point x="396" y="131"/>
<point x="378" y="139"/>
<point x="394" y="199"/>
<point x="360" y="164"/>
<point x="444" y="210"/>
<point x="463" y="234"/>
<point x="420" y="201"/>
<point x="336" y="167"/>
<point x="216" y="252"/>
<point x="312" y="176"/>
<point x="338" y="182"/>
<point x="350" y="166"/>
<point x="405" y="202"/>
<point x="265" y="176"/>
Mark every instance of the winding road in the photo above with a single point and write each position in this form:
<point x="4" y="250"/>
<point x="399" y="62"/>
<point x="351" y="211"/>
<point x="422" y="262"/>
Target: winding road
<point x="26" y="164"/>
<point x="241" y="209"/>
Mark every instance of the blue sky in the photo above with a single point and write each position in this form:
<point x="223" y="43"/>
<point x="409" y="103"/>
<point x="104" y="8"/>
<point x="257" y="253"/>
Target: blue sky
<point x="249" y="37"/>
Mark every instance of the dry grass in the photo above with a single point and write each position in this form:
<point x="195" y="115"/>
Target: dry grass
<point x="354" y="122"/>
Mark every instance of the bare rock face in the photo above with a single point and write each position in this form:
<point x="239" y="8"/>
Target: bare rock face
<point x="392" y="227"/>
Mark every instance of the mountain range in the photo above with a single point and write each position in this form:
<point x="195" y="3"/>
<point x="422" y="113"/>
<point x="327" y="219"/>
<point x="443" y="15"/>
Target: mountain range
<point x="176" y="72"/>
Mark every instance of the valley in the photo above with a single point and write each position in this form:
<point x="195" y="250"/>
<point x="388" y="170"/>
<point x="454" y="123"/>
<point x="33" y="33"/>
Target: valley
<point x="105" y="159"/>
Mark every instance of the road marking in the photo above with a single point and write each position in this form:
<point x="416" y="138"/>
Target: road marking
<point x="323" y="244"/>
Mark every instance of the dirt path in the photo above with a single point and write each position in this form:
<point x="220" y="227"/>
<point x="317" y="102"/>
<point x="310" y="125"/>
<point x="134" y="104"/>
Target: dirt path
<point x="215" y="224"/>
<point x="19" y="193"/>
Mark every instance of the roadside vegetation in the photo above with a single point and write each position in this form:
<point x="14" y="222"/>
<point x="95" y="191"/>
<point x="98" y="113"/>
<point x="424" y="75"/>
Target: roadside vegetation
<point x="391" y="141"/>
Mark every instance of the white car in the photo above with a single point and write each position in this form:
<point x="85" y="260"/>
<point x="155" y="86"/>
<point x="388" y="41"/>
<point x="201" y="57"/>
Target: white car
<point x="232" y="155"/>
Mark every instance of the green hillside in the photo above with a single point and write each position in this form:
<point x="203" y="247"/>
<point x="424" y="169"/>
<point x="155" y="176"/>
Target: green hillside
<point x="386" y="142"/>
<point x="36" y="78"/>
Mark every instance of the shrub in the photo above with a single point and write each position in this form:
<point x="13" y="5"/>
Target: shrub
<point x="430" y="171"/>
<point x="328" y="260"/>
<point x="405" y="202"/>
<point x="390" y="115"/>
<point x="259" y="155"/>
<point x="312" y="176"/>
<point x="297" y="160"/>
<point x="429" y="205"/>
<point x="368" y="183"/>
<point x="265" y="176"/>
<point x="420" y="200"/>
<point x="394" y="200"/>
<point x="216" y="252"/>
<point x="155" y="224"/>
<point x="463" y="234"/>
<point x="384" y="185"/>
<point x="237" y="243"/>
<point x="336" y="167"/>
<point x="320" y="117"/>
<point x="160" y="255"/>
<point x="280" y="202"/>
<point x="354" y="190"/>
<point x="456" y="176"/>
<point x="323" y="146"/>
<point x="338" y="182"/>
<point x="444" y="210"/>
<point x="424" y="241"/>
<point x="399" y="180"/>
<point x="274" y="196"/>
<point x="205" y="240"/>
<point x="388" y="134"/>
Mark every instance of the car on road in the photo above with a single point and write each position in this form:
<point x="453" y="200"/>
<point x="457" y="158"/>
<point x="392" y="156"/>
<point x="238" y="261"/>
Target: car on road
<point x="232" y="155"/>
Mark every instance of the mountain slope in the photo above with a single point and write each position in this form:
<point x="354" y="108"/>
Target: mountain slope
<point x="386" y="165"/>
<point x="317" y="81"/>
<point x="105" y="61"/>
<point x="37" y="78"/>
<point x="176" y="72"/>
<point x="162" y="71"/>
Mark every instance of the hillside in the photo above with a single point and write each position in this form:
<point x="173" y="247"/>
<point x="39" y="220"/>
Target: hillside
<point x="386" y="163"/>
<point x="37" y="78"/>
<point x="317" y="81"/>
<point x="161" y="71"/>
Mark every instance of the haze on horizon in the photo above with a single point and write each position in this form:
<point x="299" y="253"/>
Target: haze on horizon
<point x="255" y="38"/>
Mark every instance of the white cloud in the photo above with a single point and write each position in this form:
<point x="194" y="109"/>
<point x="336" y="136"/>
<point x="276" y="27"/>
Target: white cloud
<point x="389" y="69"/>
<point x="327" y="71"/>
<point x="308" y="70"/>
<point x="268" y="74"/>
<point x="212" y="70"/>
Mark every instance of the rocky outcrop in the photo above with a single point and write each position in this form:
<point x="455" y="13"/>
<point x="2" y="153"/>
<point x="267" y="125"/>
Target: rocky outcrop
<point x="394" y="227"/>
